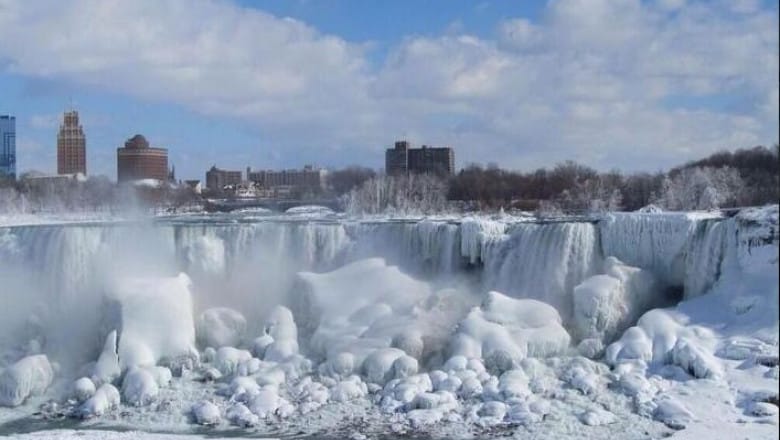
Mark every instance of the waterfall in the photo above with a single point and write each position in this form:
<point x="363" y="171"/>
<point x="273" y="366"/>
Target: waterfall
<point x="543" y="261"/>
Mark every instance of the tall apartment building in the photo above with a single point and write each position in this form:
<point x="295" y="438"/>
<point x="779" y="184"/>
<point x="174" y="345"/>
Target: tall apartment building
<point x="401" y="159"/>
<point x="137" y="160"/>
<point x="71" y="146"/>
<point x="217" y="179"/>
<point x="308" y="177"/>
<point x="7" y="147"/>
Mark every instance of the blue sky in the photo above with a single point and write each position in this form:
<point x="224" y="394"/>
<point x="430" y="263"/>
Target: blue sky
<point x="629" y="84"/>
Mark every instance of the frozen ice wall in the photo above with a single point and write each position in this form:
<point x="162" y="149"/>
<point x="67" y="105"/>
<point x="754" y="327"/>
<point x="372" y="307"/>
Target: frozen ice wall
<point x="251" y="265"/>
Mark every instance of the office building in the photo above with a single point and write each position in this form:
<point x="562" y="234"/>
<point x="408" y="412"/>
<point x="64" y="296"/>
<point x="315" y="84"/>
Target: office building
<point x="7" y="147"/>
<point x="137" y="160"/>
<point x="402" y="159"/>
<point x="217" y="179"/>
<point x="71" y="146"/>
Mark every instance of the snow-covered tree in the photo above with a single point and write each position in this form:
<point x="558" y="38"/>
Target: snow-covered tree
<point x="413" y="194"/>
<point x="699" y="188"/>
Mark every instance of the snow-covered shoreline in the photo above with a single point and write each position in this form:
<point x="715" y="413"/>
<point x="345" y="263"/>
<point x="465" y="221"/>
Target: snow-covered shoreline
<point x="388" y="326"/>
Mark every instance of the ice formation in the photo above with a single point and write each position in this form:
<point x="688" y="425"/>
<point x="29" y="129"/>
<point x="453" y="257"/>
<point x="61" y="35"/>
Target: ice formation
<point x="456" y="327"/>
<point x="28" y="377"/>
<point x="155" y="318"/>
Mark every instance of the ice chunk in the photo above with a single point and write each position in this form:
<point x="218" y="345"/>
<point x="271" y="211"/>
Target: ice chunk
<point x="266" y="402"/>
<point x="241" y="389"/>
<point x="83" y="389"/>
<point x="105" y="399"/>
<point x="206" y="413"/>
<point x="260" y="344"/>
<point x="695" y="360"/>
<point x="29" y="376"/>
<point x="404" y="366"/>
<point x="221" y="327"/>
<point x="506" y="330"/>
<point x="139" y="387"/>
<point x="378" y="365"/>
<point x="341" y="366"/>
<point x="239" y="415"/>
<point x="348" y="389"/>
<point x="228" y="359"/>
<point x="597" y="417"/>
<point x="672" y="412"/>
<point x="155" y="318"/>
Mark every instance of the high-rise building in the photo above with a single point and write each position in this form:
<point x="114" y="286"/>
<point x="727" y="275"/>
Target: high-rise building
<point x="137" y="160"/>
<point x="71" y="146"/>
<point x="401" y="159"/>
<point x="217" y="179"/>
<point x="397" y="158"/>
<point x="7" y="147"/>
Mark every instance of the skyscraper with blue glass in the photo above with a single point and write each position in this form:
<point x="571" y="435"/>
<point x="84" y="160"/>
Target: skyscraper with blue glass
<point x="7" y="147"/>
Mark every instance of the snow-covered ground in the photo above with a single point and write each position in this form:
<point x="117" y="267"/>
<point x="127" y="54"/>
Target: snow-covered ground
<point x="626" y="325"/>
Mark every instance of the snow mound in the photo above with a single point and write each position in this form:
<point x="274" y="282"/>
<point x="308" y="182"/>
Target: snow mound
<point x="334" y="319"/>
<point x="280" y="327"/>
<point x="139" y="387"/>
<point x="504" y="330"/>
<point x="155" y="318"/>
<point x="206" y="413"/>
<point x="106" y="398"/>
<point x="83" y="389"/>
<point x="605" y="305"/>
<point x="220" y="327"/>
<point x="28" y="377"/>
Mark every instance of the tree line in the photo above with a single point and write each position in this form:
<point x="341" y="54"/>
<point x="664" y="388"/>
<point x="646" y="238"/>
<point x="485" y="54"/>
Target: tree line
<point x="744" y="177"/>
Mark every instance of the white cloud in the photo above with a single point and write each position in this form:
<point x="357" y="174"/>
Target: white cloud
<point x="602" y="81"/>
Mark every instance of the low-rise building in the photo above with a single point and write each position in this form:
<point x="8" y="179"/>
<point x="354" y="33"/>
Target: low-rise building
<point x="286" y="181"/>
<point x="218" y="179"/>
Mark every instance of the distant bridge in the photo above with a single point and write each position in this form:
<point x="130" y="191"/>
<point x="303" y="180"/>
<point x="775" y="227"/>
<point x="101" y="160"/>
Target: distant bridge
<point x="278" y="205"/>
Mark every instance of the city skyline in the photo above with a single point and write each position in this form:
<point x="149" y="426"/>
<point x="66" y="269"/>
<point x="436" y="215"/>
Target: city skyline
<point x="526" y="85"/>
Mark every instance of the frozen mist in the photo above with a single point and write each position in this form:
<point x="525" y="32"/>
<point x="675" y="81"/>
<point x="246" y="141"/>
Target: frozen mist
<point x="625" y="325"/>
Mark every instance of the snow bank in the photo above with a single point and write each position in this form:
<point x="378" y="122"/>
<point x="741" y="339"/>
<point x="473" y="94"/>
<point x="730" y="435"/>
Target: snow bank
<point x="503" y="331"/>
<point x="28" y="377"/>
<point x="154" y="316"/>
